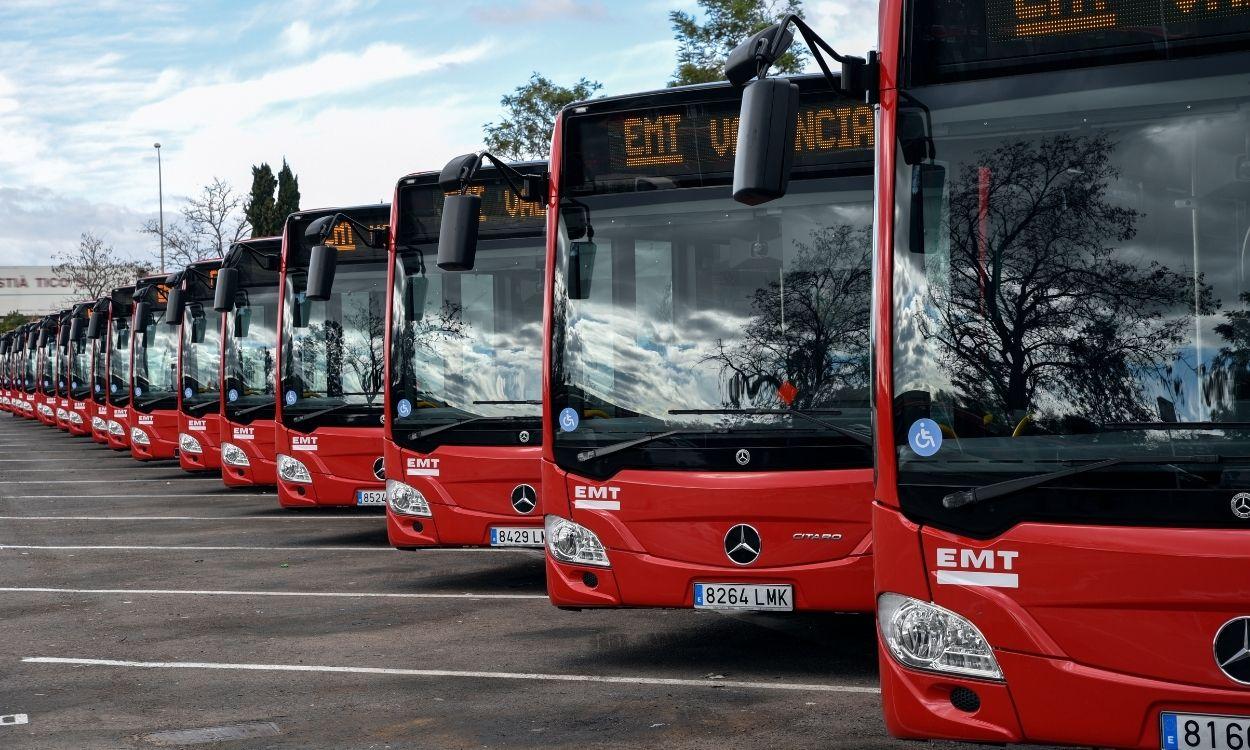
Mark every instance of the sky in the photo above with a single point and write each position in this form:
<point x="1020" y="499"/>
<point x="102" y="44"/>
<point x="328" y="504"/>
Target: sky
<point x="353" y="93"/>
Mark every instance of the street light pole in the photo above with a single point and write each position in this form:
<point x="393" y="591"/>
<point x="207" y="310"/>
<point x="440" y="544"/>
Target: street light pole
<point x="160" y="196"/>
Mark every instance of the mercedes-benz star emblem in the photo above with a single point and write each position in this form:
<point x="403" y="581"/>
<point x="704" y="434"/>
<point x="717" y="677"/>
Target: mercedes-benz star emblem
<point x="743" y="456"/>
<point x="742" y="544"/>
<point x="1232" y="650"/>
<point x="379" y="469"/>
<point x="1241" y="505"/>
<point x="524" y="437"/>
<point x="524" y="499"/>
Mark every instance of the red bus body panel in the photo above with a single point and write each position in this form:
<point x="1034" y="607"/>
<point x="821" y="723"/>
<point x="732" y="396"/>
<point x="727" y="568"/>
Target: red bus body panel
<point x="340" y="460"/>
<point x="206" y="430"/>
<point x="162" y="429"/>
<point x="257" y="440"/>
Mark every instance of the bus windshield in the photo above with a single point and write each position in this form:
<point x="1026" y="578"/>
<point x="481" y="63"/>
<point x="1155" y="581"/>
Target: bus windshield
<point x="251" y="353"/>
<point x="99" y="367"/>
<point x="332" y="361"/>
<point x="47" y="365"/>
<point x="119" y="359"/>
<point x="683" y="310"/>
<point x="201" y="357"/>
<point x="80" y="368"/>
<point x="468" y="345"/>
<point x="155" y="360"/>
<point x="1071" y="277"/>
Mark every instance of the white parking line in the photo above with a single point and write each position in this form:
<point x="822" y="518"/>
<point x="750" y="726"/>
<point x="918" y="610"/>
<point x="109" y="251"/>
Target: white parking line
<point x="613" y="680"/>
<point x="303" y="594"/>
<point x="375" y="519"/>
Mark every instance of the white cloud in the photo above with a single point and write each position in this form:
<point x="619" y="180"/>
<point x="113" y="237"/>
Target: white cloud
<point x="850" y="26"/>
<point x="298" y="38"/>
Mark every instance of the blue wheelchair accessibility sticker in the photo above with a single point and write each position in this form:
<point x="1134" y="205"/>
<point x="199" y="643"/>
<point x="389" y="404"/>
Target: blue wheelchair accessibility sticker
<point x="569" y="419"/>
<point x="405" y="408"/>
<point x="924" y="437"/>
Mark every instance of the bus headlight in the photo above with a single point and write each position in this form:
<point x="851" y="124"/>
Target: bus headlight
<point x="188" y="444"/>
<point x="234" y="455"/>
<point x="573" y="543"/>
<point x="925" y="636"/>
<point x="293" y="470"/>
<point x="98" y="425"/>
<point x="74" y="417"/>
<point x="406" y="500"/>
<point x="139" y="437"/>
<point x="115" y="428"/>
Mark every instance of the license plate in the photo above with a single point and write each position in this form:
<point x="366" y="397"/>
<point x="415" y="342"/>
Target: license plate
<point x="523" y="536"/>
<point x="743" y="596"/>
<point x="1204" y="732"/>
<point x="371" y="497"/>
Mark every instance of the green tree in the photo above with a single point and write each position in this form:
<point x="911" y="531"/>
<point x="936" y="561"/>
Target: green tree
<point x="702" y="47"/>
<point x="530" y="114"/>
<point x="288" y="193"/>
<point x="12" y="320"/>
<point x="261" y="209"/>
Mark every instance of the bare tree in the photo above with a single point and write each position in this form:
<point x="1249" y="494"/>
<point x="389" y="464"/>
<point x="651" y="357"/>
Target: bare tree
<point x="211" y="221"/>
<point x="95" y="268"/>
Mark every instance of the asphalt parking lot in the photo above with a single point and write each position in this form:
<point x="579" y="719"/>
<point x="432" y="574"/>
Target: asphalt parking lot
<point x="143" y="607"/>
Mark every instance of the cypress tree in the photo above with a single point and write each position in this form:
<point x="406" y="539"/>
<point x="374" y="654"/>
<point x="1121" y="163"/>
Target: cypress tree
<point x="261" y="209"/>
<point x="288" y="193"/>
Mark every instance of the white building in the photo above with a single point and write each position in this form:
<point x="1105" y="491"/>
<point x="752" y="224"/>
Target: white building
<point x="35" y="290"/>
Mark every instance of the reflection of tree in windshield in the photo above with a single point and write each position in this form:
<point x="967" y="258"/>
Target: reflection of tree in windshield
<point x="423" y="340"/>
<point x="810" y="331"/>
<point x="361" y="353"/>
<point x="1040" y="298"/>
<point x="1227" y="388"/>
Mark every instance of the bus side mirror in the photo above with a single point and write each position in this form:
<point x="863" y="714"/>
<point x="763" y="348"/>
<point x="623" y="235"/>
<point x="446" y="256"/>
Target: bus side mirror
<point x="62" y="336"/>
<point x="321" y="266"/>
<point x="227" y="289"/>
<point x="581" y="267"/>
<point x="175" y="306"/>
<point x="95" y="326"/>
<point x="75" y="330"/>
<point x="457" y="234"/>
<point x="140" y="314"/>
<point x="765" y="150"/>
<point x="745" y="61"/>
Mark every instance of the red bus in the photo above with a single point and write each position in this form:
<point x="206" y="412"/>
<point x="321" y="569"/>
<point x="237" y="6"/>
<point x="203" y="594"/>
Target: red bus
<point x="97" y="340"/>
<point x="61" y="381"/>
<point x="1062" y="391"/>
<point x="27" y="375"/>
<point x="45" y="369"/>
<point x="464" y="393"/>
<point x="247" y="293"/>
<point x="330" y="371"/>
<point x="199" y="365"/>
<point x="706" y="363"/>
<point x="153" y="373"/>
<point x="7" y="360"/>
<point x="117" y="394"/>
<point x="78" y="370"/>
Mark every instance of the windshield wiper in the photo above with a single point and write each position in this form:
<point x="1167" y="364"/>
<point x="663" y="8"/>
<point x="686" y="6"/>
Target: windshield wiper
<point x="153" y="403"/>
<point x="808" y="414"/>
<point x="196" y="410"/>
<point x="1176" y="426"/>
<point x="253" y="409"/>
<point x="1010" y="486"/>
<point x="460" y="423"/>
<point x="527" y="402"/>
<point x="606" y="450"/>
<point x="321" y="412"/>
